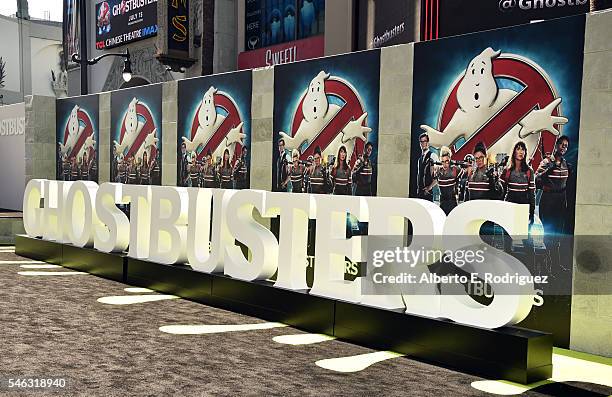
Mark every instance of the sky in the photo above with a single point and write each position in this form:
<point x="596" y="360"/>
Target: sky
<point x="36" y="8"/>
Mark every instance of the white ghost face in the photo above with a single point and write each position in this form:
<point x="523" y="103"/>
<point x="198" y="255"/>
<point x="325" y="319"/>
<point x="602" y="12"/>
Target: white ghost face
<point x="73" y="121"/>
<point x="478" y="88"/>
<point x="131" y="118"/>
<point x="315" y="103"/>
<point x="208" y="114"/>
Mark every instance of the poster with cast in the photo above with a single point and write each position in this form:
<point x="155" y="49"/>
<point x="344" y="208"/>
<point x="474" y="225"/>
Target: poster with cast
<point x="496" y="117"/>
<point x="326" y="125"/>
<point x="76" y="132"/>
<point x="214" y="131"/>
<point x="136" y="135"/>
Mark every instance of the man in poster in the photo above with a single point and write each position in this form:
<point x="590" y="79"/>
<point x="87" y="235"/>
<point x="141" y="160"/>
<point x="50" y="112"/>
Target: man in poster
<point x="282" y="167"/>
<point x="241" y="175"/>
<point x="552" y="175"/>
<point x="425" y="169"/>
<point x="363" y="172"/>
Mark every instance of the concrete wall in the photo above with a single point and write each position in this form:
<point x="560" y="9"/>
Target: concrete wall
<point x="262" y="110"/>
<point x="39" y="137"/>
<point x="591" y="329"/>
<point x="104" y="135"/>
<point x="395" y="118"/>
<point x="225" y="55"/>
<point x="169" y="132"/>
<point x="339" y="27"/>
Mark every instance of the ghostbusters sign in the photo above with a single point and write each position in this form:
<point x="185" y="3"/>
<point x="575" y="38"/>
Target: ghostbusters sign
<point x="173" y="225"/>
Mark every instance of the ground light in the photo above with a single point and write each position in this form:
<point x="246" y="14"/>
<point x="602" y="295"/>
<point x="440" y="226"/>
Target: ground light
<point x="356" y="363"/>
<point x="216" y="328"/>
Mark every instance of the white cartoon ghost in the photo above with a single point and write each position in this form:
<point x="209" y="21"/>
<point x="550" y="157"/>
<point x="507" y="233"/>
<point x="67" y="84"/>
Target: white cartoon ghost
<point x="149" y="142"/>
<point x="74" y="131"/>
<point x="480" y="99"/>
<point x="209" y="122"/>
<point x="318" y="112"/>
<point x="89" y="143"/>
<point x="133" y="126"/>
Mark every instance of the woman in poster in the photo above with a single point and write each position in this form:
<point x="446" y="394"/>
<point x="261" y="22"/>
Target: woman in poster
<point x="155" y="172"/>
<point x="297" y="173"/>
<point x="225" y="172"/>
<point x="481" y="180"/>
<point x="84" y="167"/>
<point x="131" y="171"/>
<point x="74" y="170"/>
<point x="341" y="174"/>
<point x="194" y="172"/>
<point x="93" y="166"/>
<point x="518" y="179"/>
<point x="317" y="174"/>
<point x="145" y="171"/>
<point x="448" y="179"/>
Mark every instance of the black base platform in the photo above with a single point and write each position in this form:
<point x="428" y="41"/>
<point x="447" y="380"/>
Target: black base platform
<point x="509" y="353"/>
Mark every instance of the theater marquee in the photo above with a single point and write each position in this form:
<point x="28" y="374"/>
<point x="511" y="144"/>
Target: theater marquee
<point x="119" y="22"/>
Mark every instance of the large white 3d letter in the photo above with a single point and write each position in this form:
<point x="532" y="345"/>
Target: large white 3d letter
<point x="113" y="234"/>
<point x="80" y="215"/>
<point x="511" y="303"/>
<point x="260" y="241"/>
<point x="388" y="217"/>
<point x="32" y="211"/>
<point x="140" y="219"/>
<point x="332" y="246"/>
<point x="206" y="253"/>
<point x="168" y="225"/>
<point x="55" y="195"/>
<point x="293" y="236"/>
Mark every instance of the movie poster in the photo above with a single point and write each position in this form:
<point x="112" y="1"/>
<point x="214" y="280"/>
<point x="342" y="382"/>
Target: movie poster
<point x="496" y="116"/>
<point x="326" y="125"/>
<point x="76" y="131"/>
<point x="119" y="22"/>
<point x="214" y="131"/>
<point x="136" y="135"/>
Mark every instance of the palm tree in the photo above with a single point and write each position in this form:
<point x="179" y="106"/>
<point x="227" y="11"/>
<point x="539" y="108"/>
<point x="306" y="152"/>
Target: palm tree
<point x="2" y="72"/>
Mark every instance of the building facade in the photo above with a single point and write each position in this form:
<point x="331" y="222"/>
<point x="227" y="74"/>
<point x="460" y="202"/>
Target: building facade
<point x="30" y="59"/>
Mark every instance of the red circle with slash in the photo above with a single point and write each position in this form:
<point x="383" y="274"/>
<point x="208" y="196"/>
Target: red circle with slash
<point x="225" y="102"/>
<point x="143" y="113"/>
<point x="537" y="93"/>
<point x="351" y="110"/>
<point x="83" y="117"/>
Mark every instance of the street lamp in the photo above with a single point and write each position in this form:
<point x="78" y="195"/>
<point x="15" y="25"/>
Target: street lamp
<point x="127" y="65"/>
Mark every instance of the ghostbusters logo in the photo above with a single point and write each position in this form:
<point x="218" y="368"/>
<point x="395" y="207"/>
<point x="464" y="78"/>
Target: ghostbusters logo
<point x="217" y="126"/>
<point x="477" y="110"/>
<point x="104" y="18"/>
<point x="319" y="122"/>
<point x="138" y="132"/>
<point x="78" y="135"/>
